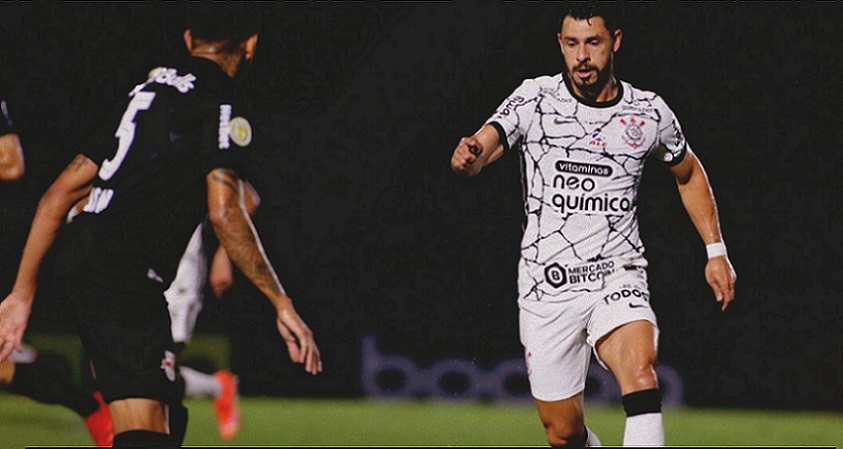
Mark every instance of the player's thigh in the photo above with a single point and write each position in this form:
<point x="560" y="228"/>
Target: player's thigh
<point x="625" y="301"/>
<point x="556" y="352"/>
<point x="192" y="271"/>
<point x="630" y="354"/>
<point x="184" y="310"/>
<point x="125" y="331"/>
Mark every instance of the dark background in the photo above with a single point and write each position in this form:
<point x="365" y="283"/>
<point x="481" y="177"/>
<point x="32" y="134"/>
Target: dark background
<point x="359" y="106"/>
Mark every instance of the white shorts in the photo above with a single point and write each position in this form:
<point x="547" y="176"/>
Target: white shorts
<point x="559" y="337"/>
<point x="27" y="354"/>
<point x="185" y="294"/>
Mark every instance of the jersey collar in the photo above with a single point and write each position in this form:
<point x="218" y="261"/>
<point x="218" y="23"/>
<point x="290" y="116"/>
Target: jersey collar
<point x="594" y="104"/>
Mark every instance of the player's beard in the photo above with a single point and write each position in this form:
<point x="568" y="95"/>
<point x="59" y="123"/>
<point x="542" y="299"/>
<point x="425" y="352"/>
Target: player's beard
<point x="594" y="85"/>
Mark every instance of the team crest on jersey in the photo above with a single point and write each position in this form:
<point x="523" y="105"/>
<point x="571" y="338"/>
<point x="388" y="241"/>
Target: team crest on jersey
<point x="240" y="131"/>
<point x="633" y="134"/>
<point x="168" y="365"/>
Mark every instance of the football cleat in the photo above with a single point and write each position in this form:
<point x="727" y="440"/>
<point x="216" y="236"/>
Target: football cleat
<point x="226" y="405"/>
<point x="99" y="423"/>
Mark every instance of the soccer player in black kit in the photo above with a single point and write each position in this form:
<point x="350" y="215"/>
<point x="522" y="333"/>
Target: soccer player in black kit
<point x="25" y="372"/>
<point x="177" y="151"/>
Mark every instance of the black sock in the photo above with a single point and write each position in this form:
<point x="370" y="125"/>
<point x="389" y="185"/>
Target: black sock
<point x="45" y="382"/>
<point x="178" y="423"/>
<point x="641" y="402"/>
<point x="143" y="438"/>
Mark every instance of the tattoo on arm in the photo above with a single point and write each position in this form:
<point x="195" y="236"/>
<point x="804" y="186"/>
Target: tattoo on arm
<point x="245" y="247"/>
<point x="238" y="236"/>
<point x="227" y="180"/>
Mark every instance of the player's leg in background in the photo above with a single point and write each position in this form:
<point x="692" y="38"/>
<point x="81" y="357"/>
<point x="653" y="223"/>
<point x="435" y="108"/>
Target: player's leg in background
<point x="222" y="387"/>
<point x="42" y="379"/>
<point x="184" y="301"/>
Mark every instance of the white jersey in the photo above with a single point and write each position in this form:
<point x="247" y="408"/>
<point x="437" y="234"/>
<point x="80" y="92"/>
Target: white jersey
<point x="581" y="165"/>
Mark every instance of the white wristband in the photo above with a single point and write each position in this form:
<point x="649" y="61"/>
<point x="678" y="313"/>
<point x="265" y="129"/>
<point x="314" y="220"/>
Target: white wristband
<point x="715" y="249"/>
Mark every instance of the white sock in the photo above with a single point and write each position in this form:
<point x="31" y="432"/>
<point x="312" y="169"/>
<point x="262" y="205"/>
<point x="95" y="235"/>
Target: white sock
<point x="197" y="384"/>
<point x="592" y="440"/>
<point x="644" y="430"/>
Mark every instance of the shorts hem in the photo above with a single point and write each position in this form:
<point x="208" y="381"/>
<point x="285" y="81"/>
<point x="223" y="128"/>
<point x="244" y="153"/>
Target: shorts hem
<point x="562" y="397"/>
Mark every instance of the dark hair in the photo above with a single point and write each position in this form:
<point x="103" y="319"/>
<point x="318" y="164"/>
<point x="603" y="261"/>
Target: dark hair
<point x="584" y="10"/>
<point x="223" y="20"/>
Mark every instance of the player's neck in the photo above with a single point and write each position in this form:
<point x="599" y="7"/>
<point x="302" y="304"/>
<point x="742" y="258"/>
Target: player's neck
<point x="606" y="93"/>
<point x="227" y="61"/>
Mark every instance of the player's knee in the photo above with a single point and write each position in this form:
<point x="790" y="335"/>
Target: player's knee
<point x="565" y="433"/>
<point x="635" y="370"/>
<point x="569" y="441"/>
<point x="640" y="374"/>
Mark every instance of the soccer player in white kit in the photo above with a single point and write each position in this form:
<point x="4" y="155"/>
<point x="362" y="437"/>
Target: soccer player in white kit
<point x="584" y="137"/>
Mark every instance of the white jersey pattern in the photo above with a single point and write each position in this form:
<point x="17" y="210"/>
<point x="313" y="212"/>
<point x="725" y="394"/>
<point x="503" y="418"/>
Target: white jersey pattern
<point x="581" y="167"/>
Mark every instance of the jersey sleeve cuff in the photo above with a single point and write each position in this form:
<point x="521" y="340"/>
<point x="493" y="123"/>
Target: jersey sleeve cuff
<point x="680" y="157"/>
<point x="501" y="135"/>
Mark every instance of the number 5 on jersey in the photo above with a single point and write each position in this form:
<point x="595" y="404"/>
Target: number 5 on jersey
<point x="100" y="198"/>
<point x="126" y="133"/>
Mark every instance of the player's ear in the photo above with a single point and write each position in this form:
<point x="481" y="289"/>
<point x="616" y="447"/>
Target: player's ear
<point x="617" y="37"/>
<point x="188" y="40"/>
<point x="250" y="46"/>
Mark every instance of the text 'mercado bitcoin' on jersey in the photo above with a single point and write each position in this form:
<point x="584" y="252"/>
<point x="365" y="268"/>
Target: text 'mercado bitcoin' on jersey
<point x="581" y="165"/>
<point x="151" y="192"/>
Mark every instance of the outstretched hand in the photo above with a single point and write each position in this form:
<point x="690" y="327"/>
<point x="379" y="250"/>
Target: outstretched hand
<point x="721" y="276"/>
<point x="299" y="340"/>
<point x="465" y="155"/>
<point x="14" y="315"/>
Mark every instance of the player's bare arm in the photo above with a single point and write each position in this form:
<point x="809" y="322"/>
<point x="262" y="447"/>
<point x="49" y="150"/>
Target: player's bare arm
<point x="221" y="276"/>
<point x="477" y="151"/>
<point x="11" y="158"/>
<point x="234" y="228"/>
<point x="72" y="185"/>
<point x="698" y="199"/>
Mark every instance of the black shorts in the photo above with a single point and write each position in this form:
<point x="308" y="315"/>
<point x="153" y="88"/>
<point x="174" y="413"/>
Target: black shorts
<point x="124" y="326"/>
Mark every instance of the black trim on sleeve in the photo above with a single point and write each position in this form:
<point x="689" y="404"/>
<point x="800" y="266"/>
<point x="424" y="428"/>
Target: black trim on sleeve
<point x="501" y="135"/>
<point x="679" y="158"/>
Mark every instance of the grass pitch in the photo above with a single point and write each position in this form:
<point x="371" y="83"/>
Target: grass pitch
<point x="283" y="422"/>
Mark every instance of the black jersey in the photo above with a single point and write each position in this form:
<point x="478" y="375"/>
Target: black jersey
<point x="150" y="191"/>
